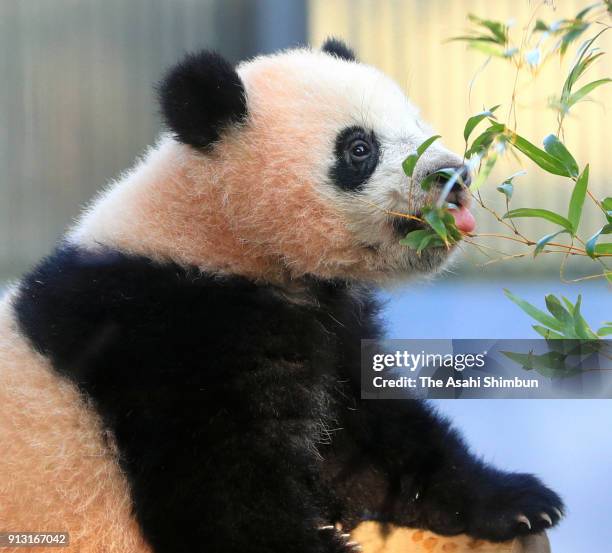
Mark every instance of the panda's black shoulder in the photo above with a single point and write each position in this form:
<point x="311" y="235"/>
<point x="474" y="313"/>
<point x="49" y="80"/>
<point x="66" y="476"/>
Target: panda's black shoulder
<point x="82" y="308"/>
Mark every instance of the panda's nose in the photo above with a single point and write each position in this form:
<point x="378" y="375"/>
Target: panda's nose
<point x="444" y="174"/>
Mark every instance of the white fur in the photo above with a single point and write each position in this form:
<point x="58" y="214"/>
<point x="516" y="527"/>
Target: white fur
<point x="298" y="101"/>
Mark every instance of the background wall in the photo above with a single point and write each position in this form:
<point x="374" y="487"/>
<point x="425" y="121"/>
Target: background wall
<point x="77" y="99"/>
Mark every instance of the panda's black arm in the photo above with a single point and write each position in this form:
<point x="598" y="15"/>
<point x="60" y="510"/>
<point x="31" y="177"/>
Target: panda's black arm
<point x="421" y="474"/>
<point x="400" y="461"/>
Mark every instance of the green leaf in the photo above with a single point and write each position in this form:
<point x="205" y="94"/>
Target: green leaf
<point x="606" y="205"/>
<point x="547" y="333"/>
<point x="485" y="48"/>
<point x="434" y="219"/>
<point x="421" y="239"/>
<point x="498" y="30"/>
<point x="446" y="174"/>
<point x="556" y="149"/>
<point x="568" y="304"/>
<point x="429" y="241"/>
<point x="475" y="119"/>
<point x="551" y="364"/>
<point x="585" y="58"/>
<point x="577" y="200"/>
<point x="586" y="10"/>
<point x="540" y="214"/>
<point x="423" y="147"/>
<point x="410" y="162"/>
<point x="605" y="331"/>
<point x="484" y="173"/>
<point x="413" y="238"/>
<point x="603" y="249"/>
<point x="546" y="161"/>
<point x="584" y="91"/>
<point x="534" y="312"/>
<point x="506" y="188"/>
<point x="582" y="328"/>
<point x="558" y="311"/>
<point x="451" y="228"/>
<point x="591" y="244"/>
<point x="540" y="26"/>
<point x="542" y="242"/>
<point x="473" y="38"/>
<point x="573" y="32"/>
<point x="482" y="142"/>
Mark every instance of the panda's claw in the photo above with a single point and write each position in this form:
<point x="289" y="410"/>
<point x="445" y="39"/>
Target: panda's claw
<point x="338" y="541"/>
<point x="558" y="512"/>
<point x="522" y="519"/>
<point x="546" y="518"/>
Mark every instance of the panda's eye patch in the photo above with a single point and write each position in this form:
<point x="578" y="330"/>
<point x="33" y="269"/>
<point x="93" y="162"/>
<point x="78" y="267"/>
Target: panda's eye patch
<point x="357" y="152"/>
<point x="360" y="150"/>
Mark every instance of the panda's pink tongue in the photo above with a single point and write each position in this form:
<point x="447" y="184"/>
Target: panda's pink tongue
<point x="463" y="219"/>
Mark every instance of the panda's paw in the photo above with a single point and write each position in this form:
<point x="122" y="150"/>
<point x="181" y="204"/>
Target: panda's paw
<point x="510" y="506"/>
<point x="335" y="541"/>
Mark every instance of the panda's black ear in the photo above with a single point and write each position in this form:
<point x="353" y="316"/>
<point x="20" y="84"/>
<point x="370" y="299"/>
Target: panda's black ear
<point x="337" y="48"/>
<point x="200" y="97"/>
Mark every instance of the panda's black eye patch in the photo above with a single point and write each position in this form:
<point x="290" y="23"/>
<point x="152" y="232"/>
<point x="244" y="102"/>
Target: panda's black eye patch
<point x="357" y="153"/>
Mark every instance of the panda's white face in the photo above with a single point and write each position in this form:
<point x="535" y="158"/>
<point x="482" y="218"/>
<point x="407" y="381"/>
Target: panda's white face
<point x="346" y="128"/>
<point x="303" y="184"/>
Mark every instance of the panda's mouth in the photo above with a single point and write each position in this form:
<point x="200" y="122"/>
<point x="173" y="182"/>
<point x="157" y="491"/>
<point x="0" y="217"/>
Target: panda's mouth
<point x="403" y="225"/>
<point x="457" y="203"/>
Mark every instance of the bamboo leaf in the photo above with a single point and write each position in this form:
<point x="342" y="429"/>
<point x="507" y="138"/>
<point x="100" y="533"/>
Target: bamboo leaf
<point x="591" y="244"/>
<point x="542" y="158"/>
<point x="534" y="312"/>
<point x="410" y="162"/>
<point x="442" y="174"/>
<point x="603" y="249"/>
<point x="484" y="173"/>
<point x="584" y="91"/>
<point x="429" y="241"/>
<point x="434" y="219"/>
<point x="475" y="120"/>
<point x="506" y="188"/>
<point x="482" y="142"/>
<point x="558" y="150"/>
<point x="577" y="200"/>
<point x="547" y="333"/>
<point x="540" y="214"/>
<point x="498" y="30"/>
<point x="558" y="311"/>
<point x="423" y="147"/>
<point x="582" y="328"/>
<point x="542" y="242"/>
<point x="413" y="239"/>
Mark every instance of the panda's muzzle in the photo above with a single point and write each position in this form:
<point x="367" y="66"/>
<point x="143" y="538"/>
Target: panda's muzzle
<point x="457" y="200"/>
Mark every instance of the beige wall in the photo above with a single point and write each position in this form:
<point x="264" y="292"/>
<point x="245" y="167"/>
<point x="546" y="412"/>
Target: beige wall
<point x="406" y="38"/>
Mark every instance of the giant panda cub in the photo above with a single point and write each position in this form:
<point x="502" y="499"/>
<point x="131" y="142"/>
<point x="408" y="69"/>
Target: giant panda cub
<point x="182" y="373"/>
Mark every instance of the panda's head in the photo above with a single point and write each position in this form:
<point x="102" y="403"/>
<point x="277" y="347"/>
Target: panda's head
<point x="295" y="166"/>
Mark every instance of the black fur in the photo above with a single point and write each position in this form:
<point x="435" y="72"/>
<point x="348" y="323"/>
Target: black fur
<point x="237" y="413"/>
<point x="337" y="48"/>
<point x="347" y="173"/>
<point x="200" y="97"/>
